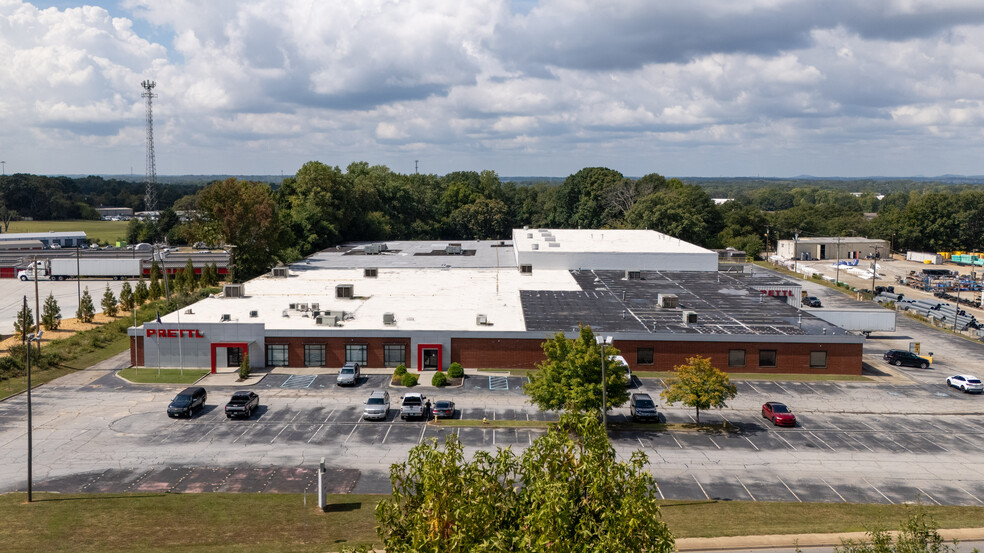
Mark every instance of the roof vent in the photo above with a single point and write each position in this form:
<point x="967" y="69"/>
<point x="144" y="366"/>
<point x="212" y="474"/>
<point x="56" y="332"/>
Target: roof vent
<point x="280" y="272"/>
<point x="370" y="272"/>
<point x="554" y="244"/>
<point x="633" y="275"/>
<point x="234" y="291"/>
<point x="481" y="319"/>
<point x="668" y="301"/>
<point x="315" y="306"/>
<point x="453" y="249"/>
<point x="291" y="306"/>
<point x="225" y="318"/>
<point x="689" y="318"/>
<point x="254" y="314"/>
<point x="372" y="249"/>
<point x="529" y="235"/>
<point x="389" y="319"/>
<point x="344" y="291"/>
<point x="526" y="269"/>
<point x="189" y="311"/>
<point x="535" y="246"/>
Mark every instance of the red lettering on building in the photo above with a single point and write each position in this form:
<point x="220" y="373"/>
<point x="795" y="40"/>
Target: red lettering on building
<point x="174" y="333"/>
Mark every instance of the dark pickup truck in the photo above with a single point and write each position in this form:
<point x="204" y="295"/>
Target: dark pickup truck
<point x="242" y="405"/>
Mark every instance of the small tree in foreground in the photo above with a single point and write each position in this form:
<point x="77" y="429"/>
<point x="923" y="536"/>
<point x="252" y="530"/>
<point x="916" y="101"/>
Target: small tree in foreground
<point x="917" y="534"/>
<point x="244" y="368"/>
<point x="570" y="378"/>
<point x="566" y="492"/>
<point x="698" y="384"/>
<point x="127" y="300"/>
<point x="24" y="323"/>
<point x="109" y="302"/>
<point x="51" y="313"/>
<point x="140" y="293"/>
<point x="86" y="311"/>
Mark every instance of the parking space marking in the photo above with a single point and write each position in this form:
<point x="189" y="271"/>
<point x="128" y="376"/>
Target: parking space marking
<point x="821" y="441"/>
<point x="642" y="445"/>
<point x="677" y="441"/>
<point x="498" y="383"/>
<point x="750" y="442"/>
<point x="754" y="388"/>
<point x="785" y="442"/>
<point x="386" y="435"/>
<point x="713" y="442"/>
<point x="877" y="490"/>
<point x="354" y="426"/>
<point x="279" y="433"/>
<point x="927" y="495"/>
<point x="833" y="490"/>
<point x="970" y="494"/>
<point x="244" y="432"/>
<point x="701" y="487"/>
<point x="864" y="445"/>
<point x="898" y="444"/>
<point x="316" y="432"/>
<point x="423" y="428"/>
<point x="790" y="489"/>
<point x="784" y="389"/>
<point x="206" y="434"/>
<point x="810" y="387"/>
<point x="746" y="488"/>
<point x="936" y="444"/>
<point x="329" y="415"/>
<point x="659" y="491"/>
<point x="295" y="416"/>
<point x="299" y="381"/>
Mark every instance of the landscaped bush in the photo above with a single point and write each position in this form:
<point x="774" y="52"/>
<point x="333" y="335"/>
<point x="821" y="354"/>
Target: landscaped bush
<point x="409" y="380"/>
<point x="244" y="368"/>
<point x="439" y="380"/>
<point x="401" y="370"/>
<point x="456" y="370"/>
<point x="46" y="360"/>
<point x="9" y="368"/>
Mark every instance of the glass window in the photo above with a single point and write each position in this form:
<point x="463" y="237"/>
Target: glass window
<point x="736" y="358"/>
<point x="356" y="353"/>
<point x="394" y="355"/>
<point x="314" y="355"/>
<point x="644" y="356"/>
<point x="818" y="360"/>
<point x="767" y="358"/>
<point x="276" y="355"/>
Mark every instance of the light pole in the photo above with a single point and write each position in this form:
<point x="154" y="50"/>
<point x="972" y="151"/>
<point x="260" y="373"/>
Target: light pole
<point x="602" y="341"/>
<point x="874" y="271"/>
<point x="30" y="438"/>
<point x="837" y="268"/>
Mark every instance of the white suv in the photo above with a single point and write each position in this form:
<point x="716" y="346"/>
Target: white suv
<point x="377" y="406"/>
<point x="966" y="383"/>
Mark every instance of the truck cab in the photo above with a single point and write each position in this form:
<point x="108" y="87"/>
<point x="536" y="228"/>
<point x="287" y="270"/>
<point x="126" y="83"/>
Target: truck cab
<point x="28" y="273"/>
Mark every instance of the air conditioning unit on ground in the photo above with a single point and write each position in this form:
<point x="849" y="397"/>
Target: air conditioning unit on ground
<point x="689" y="318"/>
<point x="389" y="319"/>
<point x="234" y="291"/>
<point x="280" y="272"/>
<point x="668" y="301"/>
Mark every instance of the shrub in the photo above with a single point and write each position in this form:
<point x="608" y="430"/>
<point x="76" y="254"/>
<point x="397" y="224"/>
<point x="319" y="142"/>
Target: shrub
<point x="409" y="380"/>
<point x="46" y="360"/>
<point x="9" y="368"/>
<point x="456" y="370"/>
<point x="244" y="368"/>
<point x="401" y="370"/>
<point x="439" y="380"/>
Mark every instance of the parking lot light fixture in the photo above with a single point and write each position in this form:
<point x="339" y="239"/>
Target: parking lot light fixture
<point x="602" y="341"/>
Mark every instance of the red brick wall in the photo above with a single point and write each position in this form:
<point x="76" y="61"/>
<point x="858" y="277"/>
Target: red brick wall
<point x="335" y="349"/>
<point x="137" y="351"/>
<point x="790" y="358"/>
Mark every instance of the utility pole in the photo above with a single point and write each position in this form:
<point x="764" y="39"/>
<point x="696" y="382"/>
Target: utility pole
<point x="37" y="308"/>
<point x="150" y="195"/>
<point x="874" y="271"/>
<point x="3" y="165"/>
<point x="796" y="236"/>
<point x="957" y="308"/>
<point x="838" y="267"/>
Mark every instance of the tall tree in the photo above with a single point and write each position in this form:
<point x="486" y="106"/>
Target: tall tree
<point x="700" y="385"/>
<point x="109" y="302"/>
<point x="127" y="300"/>
<point x="86" y="311"/>
<point x="140" y="293"/>
<point x="51" y="313"/>
<point x="24" y="323"/>
<point x="570" y="377"/>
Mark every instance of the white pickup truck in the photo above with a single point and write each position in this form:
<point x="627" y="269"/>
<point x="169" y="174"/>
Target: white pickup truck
<point x="412" y="406"/>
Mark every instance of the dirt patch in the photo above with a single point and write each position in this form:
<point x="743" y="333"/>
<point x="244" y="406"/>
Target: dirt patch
<point x="67" y="328"/>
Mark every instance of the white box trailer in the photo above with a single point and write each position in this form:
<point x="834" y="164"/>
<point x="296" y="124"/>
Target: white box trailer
<point x="923" y="257"/>
<point x="116" y="269"/>
<point x="858" y="320"/>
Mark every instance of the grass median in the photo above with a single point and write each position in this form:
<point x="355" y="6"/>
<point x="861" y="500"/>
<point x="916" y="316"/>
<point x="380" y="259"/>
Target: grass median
<point x="247" y="523"/>
<point x="162" y="376"/>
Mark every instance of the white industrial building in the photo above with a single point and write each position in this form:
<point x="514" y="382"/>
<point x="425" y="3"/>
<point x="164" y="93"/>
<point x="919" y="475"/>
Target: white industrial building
<point x="842" y="247"/>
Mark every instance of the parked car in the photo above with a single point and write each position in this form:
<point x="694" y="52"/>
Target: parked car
<point x="778" y="413"/>
<point x="444" y="409"/>
<point x="242" y="404"/>
<point x="348" y="375"/>
<point x="812" y="301"/>
<point x="412" y="406"/>
<point x="966" y="382"/>
<point x="899" y="357"/>
<point x="187" y="402"/>
<point x="642" y="407"/>
<point x="377" y="406"/>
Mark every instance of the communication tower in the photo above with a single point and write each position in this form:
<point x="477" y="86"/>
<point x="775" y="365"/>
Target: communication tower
<point x="150" y="198"/>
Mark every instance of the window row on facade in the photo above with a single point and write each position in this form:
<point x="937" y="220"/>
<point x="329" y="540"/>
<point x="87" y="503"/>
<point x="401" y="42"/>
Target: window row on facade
<point x="767" y="358"/>
<point x="277" y="355"/>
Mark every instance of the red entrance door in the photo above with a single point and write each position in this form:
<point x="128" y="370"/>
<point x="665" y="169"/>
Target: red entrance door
<point x="429" y="356"/>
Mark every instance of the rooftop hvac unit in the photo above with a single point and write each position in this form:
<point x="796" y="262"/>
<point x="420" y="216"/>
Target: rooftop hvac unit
<point x="481" y="320"/>
<point x="315" y="306"/>
<point x="326" y="321"/>
<point x="302" y="307"/>
<point x="389" y="319"/>
<point x="689" y="318"/>
<point x="234" y="291"/>
<point x="633" y="275"/>
<point x="549" y="237"/>
<point x="189" y="311"/>
<point x="370" y="272"/>
<point x="280" y="272"/>
<point x="344" y="291"/>
<point x="535" y="246"/>
<point x="529" y="235"/>
<point x="225" y="318"/>
<point x="668" y="301"/>
<point x="291" y="306"/>
<point x="254" y="314"/>
<point x="372" y="249"/>
<point x="554" y="244"/>
<point x="526" y="269"/>
<point x="453" y="249"/>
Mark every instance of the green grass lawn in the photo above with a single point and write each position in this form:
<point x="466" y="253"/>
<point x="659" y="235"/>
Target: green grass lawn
<point x="162" y="376"/>
<point x="105" y="231"/>
<point x="247" y="523"/>
<point x="18" y="384"/>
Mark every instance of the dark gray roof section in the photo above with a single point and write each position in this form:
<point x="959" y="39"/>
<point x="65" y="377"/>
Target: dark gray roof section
<point x="725" y="305"/>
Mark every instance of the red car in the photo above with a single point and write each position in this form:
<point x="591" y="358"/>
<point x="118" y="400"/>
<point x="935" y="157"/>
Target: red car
<point x="778" y="413"/>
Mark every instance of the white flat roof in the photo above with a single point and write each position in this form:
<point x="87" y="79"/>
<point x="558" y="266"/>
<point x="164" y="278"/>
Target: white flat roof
<point x="602" y="241"/>
<point x="41" y="235"/>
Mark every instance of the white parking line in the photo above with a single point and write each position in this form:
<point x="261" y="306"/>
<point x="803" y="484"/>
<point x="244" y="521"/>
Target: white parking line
<point x="493" y="436"/>
<point x="898" y="444"/>
<point x="821" y="441"/>
<point x="206" y="434"/>
<point x="788" y="393"/>
<point x="785" y="442"/>
<point x="877" y="490"/>
<point x="423" y="428"/>
<point x="659" y="491"/>
<point x="279" y="433"/>
<point x="753" y="387"/>
<point x="677" y="441"/>
<point x="244" y="432"/>
<point x="295" y="416"/>
<point x="790" y="489"/>
<point x="936" y="444"/>
<point x="810" y="387"/>
<point x="833" y="490"/>
<point x="316" y="432"/>
<point x="529" y="434"/>
<point x="860" y="442"/>
<point x="354" y="426"/>
<point x="927" y="495"/>
<point x="970" y="494"/>
<point x="713" y="442"/>
<point x="642" y="445"/>
<point x="699" y="486"/>
<point x="746" y="488"/>
<point x="386" y="435"/>
<point x="750" y="442"/>
<point x="329" y="415"/>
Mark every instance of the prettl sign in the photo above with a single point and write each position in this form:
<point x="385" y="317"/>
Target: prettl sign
<point x="175" y="333"/>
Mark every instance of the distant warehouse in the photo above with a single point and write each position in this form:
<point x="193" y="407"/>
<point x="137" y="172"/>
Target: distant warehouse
<point x="845" y="247"/>
<point x="71" y="239"/>
<point x="426" y="304"/>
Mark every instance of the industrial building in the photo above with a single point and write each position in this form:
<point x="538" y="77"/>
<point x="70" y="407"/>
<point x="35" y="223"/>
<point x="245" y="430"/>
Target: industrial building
<point x="491" y="304"/>
<point x="71" y="239"/>
<point x="836" y="247"/>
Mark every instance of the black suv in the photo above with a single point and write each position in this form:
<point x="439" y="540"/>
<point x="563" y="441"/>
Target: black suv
<point x="187" y="402"/>
<point x="900" y="357"/>
<point x="812" y="301"/>
<point x="642" y="407"/>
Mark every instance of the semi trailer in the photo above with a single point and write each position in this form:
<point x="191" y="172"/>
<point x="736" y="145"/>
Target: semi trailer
<point x="66" y="268"/>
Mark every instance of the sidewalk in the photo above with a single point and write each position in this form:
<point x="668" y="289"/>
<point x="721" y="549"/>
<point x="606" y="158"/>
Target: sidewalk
<point x="803" y="540"/>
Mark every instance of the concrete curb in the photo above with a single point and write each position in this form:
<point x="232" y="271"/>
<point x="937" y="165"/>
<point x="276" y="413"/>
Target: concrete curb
<point x="803" y="540"/>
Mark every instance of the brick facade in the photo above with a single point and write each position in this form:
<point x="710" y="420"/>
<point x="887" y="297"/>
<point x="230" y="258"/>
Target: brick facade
<point x="335" y="349"/>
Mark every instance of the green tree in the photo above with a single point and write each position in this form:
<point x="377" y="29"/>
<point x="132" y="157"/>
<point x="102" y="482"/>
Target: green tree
<point x="566" y="492"/>
<point x="188" y="277"/>
<point x="51" y="313"/>
<point x="24" y="323"/>
<point x="680" y="210"/>
<point x="917" y="534"/>
<point x="140" y="293"/>
<point x="154" y="292"/>
<point x="699" y="384"/>
<point x="570" y="377"/>
<point x="127" y="299"/>
<point x="86" y="311"/>
<point x="244" y="368"/>
<point x="245" y="215"/>
<point x="109" y="302"/>
<point x="215" y="275"/>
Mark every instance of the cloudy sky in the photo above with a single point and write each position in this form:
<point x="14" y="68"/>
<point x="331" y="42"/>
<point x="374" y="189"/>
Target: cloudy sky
<point x="523" y="87"/>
